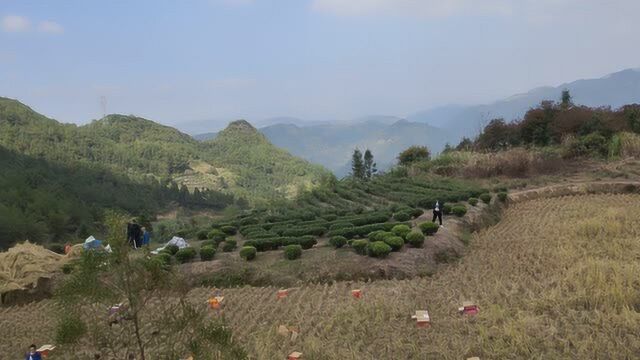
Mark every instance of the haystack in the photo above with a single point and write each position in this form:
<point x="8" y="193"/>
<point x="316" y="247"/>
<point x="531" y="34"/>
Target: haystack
<point x="23" y="265"/>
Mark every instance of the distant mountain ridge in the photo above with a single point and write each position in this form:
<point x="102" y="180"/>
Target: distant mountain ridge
<point x="614" y="90"/>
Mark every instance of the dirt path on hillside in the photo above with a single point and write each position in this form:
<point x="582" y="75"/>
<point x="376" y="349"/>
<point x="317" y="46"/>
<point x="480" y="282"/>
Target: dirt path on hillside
<point x="576" y="188"/>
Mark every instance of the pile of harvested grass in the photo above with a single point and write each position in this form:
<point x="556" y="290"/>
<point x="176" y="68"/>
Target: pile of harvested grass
<point x="22" y="266"/>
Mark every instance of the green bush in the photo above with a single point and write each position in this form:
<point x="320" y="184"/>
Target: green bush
<point x="375" y="235"/>
<point x="248" y="253"/>
<point x="330" y="217"/>
<point x="69" y="330"/>
<point x="68" y="268"/>
<point x="416" y="213"/>
<point x="202" y="234"/>
<point x="473" y="201"/>
<point x="340" y="225"/>
<point x="363" y="230"/>
<point x="307" y="242"/>
<point x="229" y="245"/>
<point x="338" y="241"/>
<point x="429" y="228"/>
<point x="360" y="246"/>
<point x="378" y="249"/>
<point x="207" y="253"/>
<point x="396" y="242"/>
<point x="216" y="235"/>
<point x="401" y="230"/>
<point x="311" y="230"/>
<point x="186" y="255"/>
<point x="173" y="249"/>
<point x="486" y="198"/>
<point x="416" y="239"/>
<point x="446" y="209"/>
<point x="459" y="210"/>
<point x="502" y="196"/>
<point x="292" y="252"/>
<point x="261" y="244"/>
<point x="402" y="216"/>
<point x="164" y="258"/>
<point x="209" y="243"/>
<point x="229" y="230"/>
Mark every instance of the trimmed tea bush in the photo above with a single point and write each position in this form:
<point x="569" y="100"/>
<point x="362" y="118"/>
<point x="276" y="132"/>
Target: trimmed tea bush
<point x="260" y="245"/>
<point x="186" y="255"/>
<point x="416" y="212"/>
<point x="402" y="216"/>
<point x="202" y="234"/>
<point x="401" y="230"/>
<point x="229" y="230"/>
<point x="307" y="242"/>
<point x="248" y="253"/>
<point x="396" y="242"/>
<point x="341" y="225"/>
<point x="207" y="253"/>
<point x="459" y="210"/>
<point x="209" y="243"/>
<point x="229" y="245"/>
<point x="376" y="235"/>
<point x="446" y="209"/>
<point x="429" y="228"/>
<point x="338" y="241"/>
<point x="378" y="249"/>
<point x="292" y="252"/>
<point x="173" y="249"/>
<point x="164" y="258"/>
<point x="502" y="196"/>
<point x="486" y="198"/>
<point x="360" y="246"/>
<point x="473" y="201"/>
<point x="416" y="239"/>
<point x="217" y="236"/>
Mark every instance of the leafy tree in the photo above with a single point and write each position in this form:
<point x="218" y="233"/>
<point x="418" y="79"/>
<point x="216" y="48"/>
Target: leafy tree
<point x="566" y="100"/>
<point x="498" y="135"/>
<point x="357" y="165"/>
<point x="413" y="154"/>
<point x="465" y="144"/>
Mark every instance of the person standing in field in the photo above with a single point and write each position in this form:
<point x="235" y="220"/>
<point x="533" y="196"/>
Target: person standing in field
<point x="146" y="237"/>
<point x="33" y="354"/>
<point x="437" y="213"/>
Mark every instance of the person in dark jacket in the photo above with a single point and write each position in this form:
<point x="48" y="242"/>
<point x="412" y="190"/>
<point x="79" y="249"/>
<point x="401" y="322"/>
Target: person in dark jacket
<point x="437" y="213"/>
<point x="134" y="234"/>
<point x="33" y="354"/>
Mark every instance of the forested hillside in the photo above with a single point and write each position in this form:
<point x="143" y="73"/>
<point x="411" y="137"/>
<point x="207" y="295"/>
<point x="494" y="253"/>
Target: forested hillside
<point x="57" y="179"/>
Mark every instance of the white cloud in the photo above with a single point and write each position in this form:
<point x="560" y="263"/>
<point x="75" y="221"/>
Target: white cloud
<point x="421" y="8"/>
<point x="15" y="23"/>
<point x="50" y="27"/>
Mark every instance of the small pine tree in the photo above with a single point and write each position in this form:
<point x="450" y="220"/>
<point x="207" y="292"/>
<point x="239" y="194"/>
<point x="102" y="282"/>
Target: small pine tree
<point x="369" y="165"/>
<point x="566" y="99"/>
<point x="357" y="165"/>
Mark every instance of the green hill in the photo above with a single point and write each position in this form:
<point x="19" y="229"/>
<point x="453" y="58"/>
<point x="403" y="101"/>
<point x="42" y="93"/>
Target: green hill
<point x="240" y="161"/>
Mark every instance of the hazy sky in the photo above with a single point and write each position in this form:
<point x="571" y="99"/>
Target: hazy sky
<point x="183" y="61"/>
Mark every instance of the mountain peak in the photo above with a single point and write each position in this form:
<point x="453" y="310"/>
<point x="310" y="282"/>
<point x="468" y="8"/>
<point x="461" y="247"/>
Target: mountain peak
<point x="241" y="125"/>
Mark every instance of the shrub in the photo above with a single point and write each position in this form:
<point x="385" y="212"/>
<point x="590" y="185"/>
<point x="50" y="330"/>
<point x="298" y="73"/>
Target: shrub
<point x="401" y="230"/>
<point x="248" y="253"/>
<point x="502" y="196"/>
<point x="292" y="252"/>
<point x="377" y="235"/>
<point x="173" y="249"/>
<point x="70" y="329"/>
<point x="338" y="241"/>
<point x="416" y="238"/>
<point x="459" y="210"/>
<point x="340" y="225"/>
<point x="446" y="209"/>
<point x="209" y="243"/>
<point x="185" y="255"/>
<point x="429" y="228"/>
<point x="360" y="246"/>
<point x="260" y="245"/>
<point x="229" y="245"/>
<point x="229" y="230"/>
<point x="350" y="233"/>
<point x="396" y="242"/>
<point x="378" y="249"/>
<point x="402" y="216"/>
<point x="311" y="230"/>
<point x="416" y="212"/>
<point x="473" y="201"/>
<point x="202" y="234"/>
<point x="207" y="253"/>
<point x="307" y="242"/>
<point x="330" y="217"/>
<point x="68" y="268"/>
<point x="216" y="235"/>
<point x="164" y="258"/>
<point x="486" y="198"/>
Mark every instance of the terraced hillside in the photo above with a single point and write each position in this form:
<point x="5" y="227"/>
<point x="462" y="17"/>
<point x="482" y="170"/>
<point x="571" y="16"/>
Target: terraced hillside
<point x="555" y="279"/>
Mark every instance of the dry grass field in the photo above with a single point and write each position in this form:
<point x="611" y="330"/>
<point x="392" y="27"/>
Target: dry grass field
<point x="557" y="278"/>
